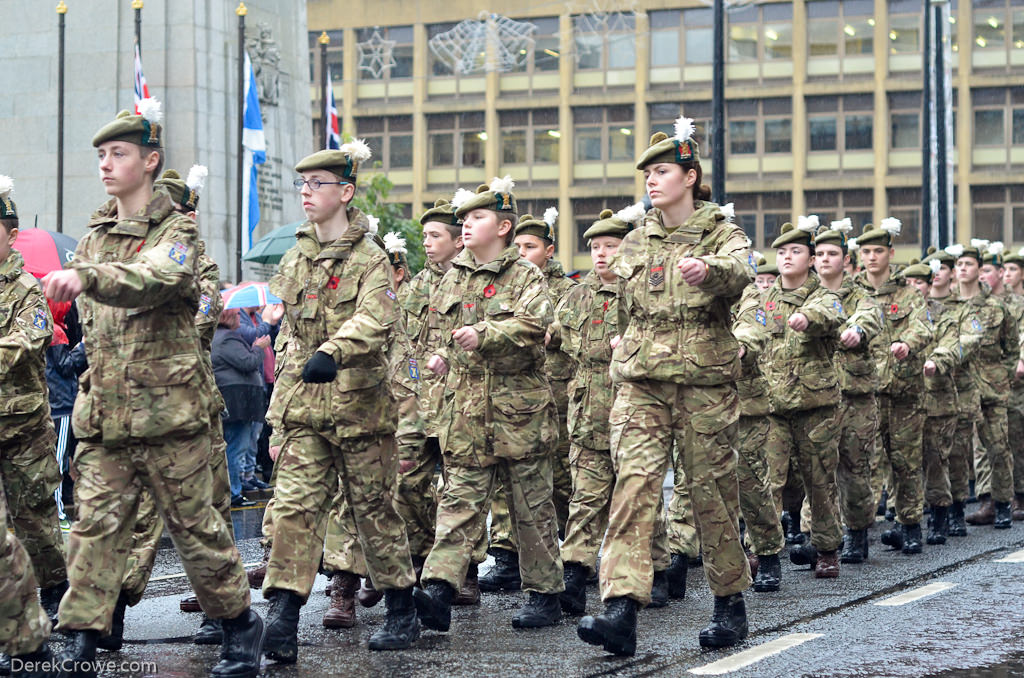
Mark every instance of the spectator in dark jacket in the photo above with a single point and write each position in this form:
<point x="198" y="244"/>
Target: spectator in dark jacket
<point x="236" y="367"/>
<point x="65" y="361"/>
<point x="252" y="326"/>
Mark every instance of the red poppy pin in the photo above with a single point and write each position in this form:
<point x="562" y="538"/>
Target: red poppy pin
<point x="489" y="291"/>
<point x="770" y="305"/>
<point x="333" y="282"/>
<point x="605" y="305"/>
<point x="894" y="308"/>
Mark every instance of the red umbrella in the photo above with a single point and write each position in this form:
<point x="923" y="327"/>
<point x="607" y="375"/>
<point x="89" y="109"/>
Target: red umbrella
<point x="44" y="251"/>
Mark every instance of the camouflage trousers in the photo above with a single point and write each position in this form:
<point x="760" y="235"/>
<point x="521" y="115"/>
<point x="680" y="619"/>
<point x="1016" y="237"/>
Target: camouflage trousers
<point x="111" y="483"/>
<point x="24" y="627"/>
<point x="680" y="524"/>
<point x="859" y="427"/>
<point x="647" y="419"/>
<point x="342" y="552"/>
<point x="1015" y="438"/>
<point x="149" y="525"/>
<point x="900" y="431"/>
<point x="993" y="463"/>
<point x="416" y="500"/>
<point x="31" y="475"/>
<point x="961" y="455"/>
<point x="764" y="530"/>
<point x="936" y="446"/>
<point x="811" y="439"/>
<point x="311" y="470"/>
<point x="462" y="516"/>
<point x="592" y="481"/>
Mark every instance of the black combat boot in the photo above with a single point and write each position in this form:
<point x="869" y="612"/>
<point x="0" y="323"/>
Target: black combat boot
<point x="49" y="598"/>
<point x="243" y="644"/>
<point x="1004" y="516"/>
<point x="728" y="623"/>
<point x="853" y="547"/>
<point x="769" y="574"/>
<point x="574" y="598"/>
<point x="804" y="554"/>
<point x="542" y="609"/>
<point x="957" y="523"/>
<point x="401" y="627"/>
<point x="793" y="535"/>
<point x="938" y="525"/>
<point x="615" y="630"/>
<point x="282" y="637"/>
<point x="912" y="539"/>
<point x="211" y="632"/>
<point x="38" y="664"/>
<point x="434" y="604"/>
<point x="114" y="641"/>
<point x="893" y="537"/>
<point x="676" y="573"/>
<point x="504" y="576"/>
<point x="78" y="660"/>
<point x="659" y="590"/>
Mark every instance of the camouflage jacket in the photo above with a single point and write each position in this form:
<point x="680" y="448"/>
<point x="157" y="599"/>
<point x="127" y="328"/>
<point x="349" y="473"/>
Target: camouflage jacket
<point x="677" y="332"/>
<point x="798" y="365"/>
<point x="337" y="299"/>
<point x="210" y="302"/>
<point x="749" y="321"/>
<point x="416" y="305"/>
<point x="967" y="395"/>
<point x="138" y="305"/>
<point x="25" y="331"/>
<point x="856" y="366"/>
<point x="998" y="345"/>
<point x="944" y="350"/>
<point x="588" y="320"/>
<point x="404" y="375"/>
<point x="907" y="321"/>
<point x="559" y="363"/>
<point x="1015" y="305"/>
<point x="497" y="401"/>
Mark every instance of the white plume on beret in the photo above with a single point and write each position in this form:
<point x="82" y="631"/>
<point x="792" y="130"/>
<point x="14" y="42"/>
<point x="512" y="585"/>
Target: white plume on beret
<point x="461" y="196"/>
<point x="995" y="248"/>
<point x="394" y="243"/>
<point x="891" y="225"/>
<point x="979" y="244"/>
<point x="502" y="184"/>
<point x="632" y="214"/>
<point x="6" y="186"/>
<point x="1020" y="252"/>
<point x="843" y="225"/>
<point x="197" y="177"/>
<point x="374" y="224"/>
<point x="728" y="211"/>
<point x="955" y="250"/>
<point x="852" y="244"/>
<point x="357" y="149"/>
<point x="684" y="128"/>
<point x="149" y="108"/>
<point x="935" y="265"/>
<point x="757" y="255"/>
<point x="551" y="216"/>
<point x="807" y="224"/>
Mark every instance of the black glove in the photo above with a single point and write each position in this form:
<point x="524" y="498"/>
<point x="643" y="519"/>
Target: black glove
<point x="320" y="369"/>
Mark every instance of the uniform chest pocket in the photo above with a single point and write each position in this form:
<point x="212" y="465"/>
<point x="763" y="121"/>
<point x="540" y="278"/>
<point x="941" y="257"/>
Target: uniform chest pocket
<point x="444" y="306"/>
<point x="339" y="290"/>
<point x="500" y="305"/>
<point x="897" y="312"/>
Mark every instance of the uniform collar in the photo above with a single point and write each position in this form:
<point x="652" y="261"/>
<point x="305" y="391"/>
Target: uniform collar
<point x="798" y="296"/>
<point x="507" y="257"/>
<point x="156" y="210"/>
<point x="12" y="267"/>
<point x="312" y="248"/>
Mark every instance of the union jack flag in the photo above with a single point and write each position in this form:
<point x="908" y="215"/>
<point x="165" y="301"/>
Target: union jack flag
<point x="331" y="116"/>
<point x="141" y="88"/>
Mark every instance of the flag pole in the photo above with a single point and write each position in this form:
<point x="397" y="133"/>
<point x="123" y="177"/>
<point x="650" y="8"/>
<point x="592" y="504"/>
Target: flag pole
<point x="324" y="40"/>
<point x="241" y="11"/>
<point x="62" y="9"/>
<point x="718" y="104"/>
<point x="137" y="6"/>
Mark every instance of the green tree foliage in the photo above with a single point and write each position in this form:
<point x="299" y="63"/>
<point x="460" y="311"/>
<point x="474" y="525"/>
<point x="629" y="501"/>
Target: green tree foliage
<point x="372" y="199"/>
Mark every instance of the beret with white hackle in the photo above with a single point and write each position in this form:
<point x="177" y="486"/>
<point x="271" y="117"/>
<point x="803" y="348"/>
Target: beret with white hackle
<point x="542" y="228"/>
<point x="397" y="252"/>
<point x="837" y="233"/>
<point x="142" y="129"/>
<point x="184" y="192"/>
<point x="941" y="256"/>
<point x="617" y="224"/>
<point x="442" y="212"/>
<point x="342" y="162"/>
<point x="496" y="196"/>
<point x="884" y="234"/>
<point x="681" y="148"/>
<point x="8" y="210"/>
<point x="1015" y="258"/>
<point x="801" y="234"/>
<point x="920" y="270"/>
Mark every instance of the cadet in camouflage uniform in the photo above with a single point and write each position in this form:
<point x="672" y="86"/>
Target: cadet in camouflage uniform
<point x="27" y="463"/>
<point x="675" y="367"/>
<point x="801" y="320"/>
<point x="333" y="411"/>
<point x="858" y="411"/>
<point x="535" y="239"/>
<point x="899" y="356"/>
<point x="143" y="410"/>
<point x="499" y="419"/>
<point x="997" y="353"/>
<point x="1013" y="281"/>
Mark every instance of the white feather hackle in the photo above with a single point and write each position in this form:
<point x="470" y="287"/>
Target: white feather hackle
<point x="807" y="224"/>
<point x="394" y="243"/>
<point x="502" y="184"/>
<point x="757" y="256"/>
<point x="891" y="225"/>
<point x="461" y="196"/>
<point x="843" y="225"/>
<point x="197" y="177"/>
<point x="632" y="214"/>
<point x="955" y="250"/>
<point x="374" y="224"/>
<point x="684" y="128"/>
<point x="728" y="211"/>
<point x="995" y="248"/>
<point x="1020" y="252"/>
<point x="551" y="216"/>
<point x="6" y="186"/>
<point x="935" y="265"/>
<point x="150" y="109"/>
<point x="358" y="150"/>
<point x="852" y="244"/>
<point x="979" y="244"/>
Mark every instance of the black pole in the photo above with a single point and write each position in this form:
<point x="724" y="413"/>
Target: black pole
<point x="137" y="6"/>
<point x="61" y="11"/>
<point x="942" y="171"/>
<point x="324" y="40"/>
<point x="926" y="138"/>
<point x="718" y="106"/>
<point x="241" y="11"/>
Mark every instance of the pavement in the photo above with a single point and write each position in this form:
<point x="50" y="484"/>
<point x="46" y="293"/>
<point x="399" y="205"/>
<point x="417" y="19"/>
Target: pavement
<point x="954" y="611"/>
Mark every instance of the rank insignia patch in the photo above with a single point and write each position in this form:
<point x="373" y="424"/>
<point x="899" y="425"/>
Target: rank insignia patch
<point x="40" y="319"/>
<point x="204" y="305"/>
<point x="391" y="295"/>
<point x="761" y="317"/>
<point x="178" y="253"/>
<point x="414" y="369"/>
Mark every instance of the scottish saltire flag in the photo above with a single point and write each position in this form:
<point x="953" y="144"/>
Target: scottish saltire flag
<point x="141" y="88"/>
<point x="255" y="142"/>
<point x="333" y="136"/>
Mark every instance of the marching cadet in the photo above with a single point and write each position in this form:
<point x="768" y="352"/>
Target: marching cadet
<point x="675" y="367"/>
<point x="898" y="355"/>
<point x="535" y="239"/>
<point x="586" y="321"/>
<point x="1013" y="281"/>
<point x="143" y="411"/>
<point x="499" y="420"/>
<point x="766" y="273"/>
<point x="333" y="412"/>
<point x="802" y="319"/>
<point x="857" y="381"/>
<point x="998" y="346"/>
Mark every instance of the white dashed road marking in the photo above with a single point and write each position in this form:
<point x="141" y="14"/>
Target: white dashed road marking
<point x="755" y="654"/>
<point x="182" y="574"/>
<point x="916" y="594"/>
<point x="1015" y="557"/>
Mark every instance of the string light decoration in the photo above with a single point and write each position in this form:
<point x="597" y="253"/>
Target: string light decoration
<point x="376" y="54"/>
<point x="594" y="19"/>
<point x="490" y="43"/>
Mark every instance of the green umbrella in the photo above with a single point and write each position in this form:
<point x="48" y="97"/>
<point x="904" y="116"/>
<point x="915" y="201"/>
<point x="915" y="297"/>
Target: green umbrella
<point x="270" y="248"/>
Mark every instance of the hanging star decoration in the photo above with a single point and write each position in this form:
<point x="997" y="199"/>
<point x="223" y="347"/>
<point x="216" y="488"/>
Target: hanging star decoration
<point x="594" y="19"/>
<point x="490" y="43"/>
<point x="376" y="54"/>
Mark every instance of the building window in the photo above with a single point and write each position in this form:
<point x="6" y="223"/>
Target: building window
<point x="603" y="134"/>
<point x="761" y="215"/>
<point x="998" y="116"/>
<point x="834" y="205"/>
<point x="759" y="126"/>
<point x="586" y="211"/>
<point x="390" y="139"/>
<point x="998" y="212"/>
<point x="905" y="120"/>
<point x="905" y="19"/>
<point x="840" y="29"/>
<point x="529" y="137"/>
<point x="401" y="52"/>
<point x="335" y="56"/>
<point x="760" y="32"/>
<point x="905" y="205"/>
<point x="613" y="46"/>
<point x="456" y="139"/>
<point x="844" y="122"/>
